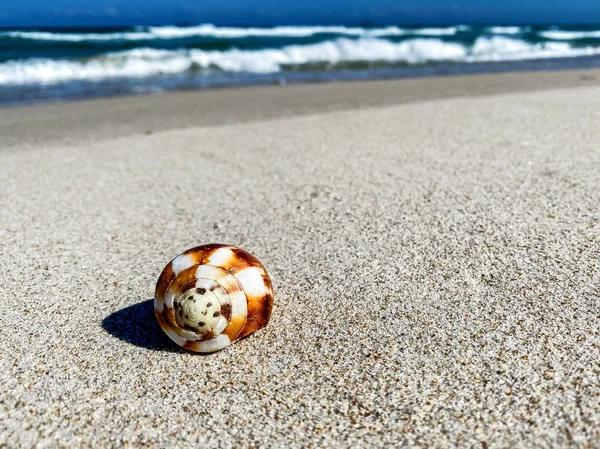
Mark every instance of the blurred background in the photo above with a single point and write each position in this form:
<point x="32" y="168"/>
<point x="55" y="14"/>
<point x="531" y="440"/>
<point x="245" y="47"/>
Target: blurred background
<point x="66" y="49"/>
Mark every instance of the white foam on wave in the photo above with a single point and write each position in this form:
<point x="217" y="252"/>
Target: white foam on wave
<point x="569" y="35"/>
<point x="147" y="61"/>
<point x="168" y="32"/>
<point x="144" y="62"/>
<point x="498" y="48"/>
<point x="504" y="30"/>
<point x="133" y="63"/>
<point x="76" y="37"/>
<point x="172" y="32"/>
<point x="448" y="31"/>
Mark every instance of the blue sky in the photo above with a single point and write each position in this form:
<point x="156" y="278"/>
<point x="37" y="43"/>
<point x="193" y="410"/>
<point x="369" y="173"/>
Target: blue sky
<point x="125" y="12"/>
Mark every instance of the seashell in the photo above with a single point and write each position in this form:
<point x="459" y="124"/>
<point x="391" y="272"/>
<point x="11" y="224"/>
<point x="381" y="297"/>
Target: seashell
<point x="212" y="295"/>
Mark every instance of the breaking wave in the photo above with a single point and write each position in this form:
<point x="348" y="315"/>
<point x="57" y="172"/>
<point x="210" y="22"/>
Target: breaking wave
<point x="329" y="54"/>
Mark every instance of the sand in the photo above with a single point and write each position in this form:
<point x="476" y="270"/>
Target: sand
<point x="436" y="265"/>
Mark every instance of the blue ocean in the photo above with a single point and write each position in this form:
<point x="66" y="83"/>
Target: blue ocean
<point x="40" y="65"/>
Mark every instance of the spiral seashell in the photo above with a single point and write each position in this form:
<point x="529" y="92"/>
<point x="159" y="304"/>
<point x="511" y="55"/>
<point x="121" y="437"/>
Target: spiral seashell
<point x="212" y="295"/>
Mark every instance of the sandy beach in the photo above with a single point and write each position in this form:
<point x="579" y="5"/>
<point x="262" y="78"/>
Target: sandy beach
<point x="434" y="246"/>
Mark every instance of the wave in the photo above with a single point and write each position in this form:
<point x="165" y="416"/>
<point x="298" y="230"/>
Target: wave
<point x="171" y="32"/>
<point x="147" y="61"/>
<point x="143" y="62"/>
<point x="569" y="35"/>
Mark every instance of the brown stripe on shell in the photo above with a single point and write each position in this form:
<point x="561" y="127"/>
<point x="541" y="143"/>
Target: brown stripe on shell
<point x="161" y="319"/>
<point x="184" y="279"/>
<point x="268" y="284"/>
<point x="165" y="279"/>
<point x="259" y="307"/>
<point x="169" y="314"/>
<point x="259" y="313"/>
<point x="191" y="345"/>
<point x="234" y="323"/>
<point x="241" y="259"/>
<point x="188" y="286"/>
<point x="194" y="255"/>
<point x="198" y="254"/>
<point x="234" y="327"/>
<point x="203" y="252"/>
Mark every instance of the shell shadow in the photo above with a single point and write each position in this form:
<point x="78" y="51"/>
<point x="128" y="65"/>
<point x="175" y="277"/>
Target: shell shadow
<point x="137" y="325"/>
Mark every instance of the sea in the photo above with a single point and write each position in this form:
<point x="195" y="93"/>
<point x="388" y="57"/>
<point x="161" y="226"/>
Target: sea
<point x="46" y="65"/>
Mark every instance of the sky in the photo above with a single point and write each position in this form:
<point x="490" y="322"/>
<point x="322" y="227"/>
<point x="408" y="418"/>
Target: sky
<point x="269" y="12"/>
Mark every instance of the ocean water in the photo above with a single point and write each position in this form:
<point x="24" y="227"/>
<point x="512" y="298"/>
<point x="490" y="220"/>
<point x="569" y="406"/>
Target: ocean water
<point x="52" y="65"/>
